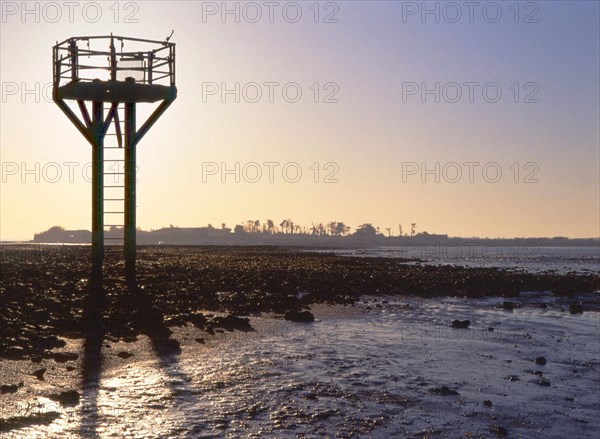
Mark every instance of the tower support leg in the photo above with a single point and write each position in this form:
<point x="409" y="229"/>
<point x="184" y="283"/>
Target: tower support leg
<point x="97" y="194"/>
<point x="130" y="190"/>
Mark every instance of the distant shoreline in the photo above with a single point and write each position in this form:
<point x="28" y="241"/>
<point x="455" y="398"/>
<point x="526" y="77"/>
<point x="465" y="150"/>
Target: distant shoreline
<point x="177" y="236"/>
<point x="524" y="243"/>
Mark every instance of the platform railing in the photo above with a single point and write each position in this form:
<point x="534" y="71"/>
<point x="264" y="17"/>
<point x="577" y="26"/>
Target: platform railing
<point x="152" y="64"/>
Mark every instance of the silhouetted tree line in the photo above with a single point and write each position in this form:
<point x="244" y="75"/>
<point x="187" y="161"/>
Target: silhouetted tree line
<point x="288" y="227"/>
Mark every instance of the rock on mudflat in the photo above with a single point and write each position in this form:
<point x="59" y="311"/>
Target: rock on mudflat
<point x="541" y="382"/>
<point x="299" y="316"/>
<point x="39" y="374"/>
<point x="461" y="324"/>
<point x="575" y="308"/>
<point x="229" y="323"/>
<point x="10" y="388"/>
<point x="124" y="355"/>
<point x="508" y="306"/>
<point x="443" y="391"/>
<point x="499" y="430"/>
<point x="540" y="361"/>
<point x="70" y="397"/>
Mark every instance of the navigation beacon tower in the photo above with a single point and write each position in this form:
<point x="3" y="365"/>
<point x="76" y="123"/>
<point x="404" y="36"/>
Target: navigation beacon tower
<point x="114" y="75"/>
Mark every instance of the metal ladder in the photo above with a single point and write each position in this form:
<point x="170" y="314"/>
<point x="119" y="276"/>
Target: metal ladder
<point x="114" y="185"/>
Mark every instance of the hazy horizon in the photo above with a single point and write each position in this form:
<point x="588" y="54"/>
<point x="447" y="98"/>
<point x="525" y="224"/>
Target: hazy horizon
<point x="307" y="231"/>
<point x="372" y="156"/>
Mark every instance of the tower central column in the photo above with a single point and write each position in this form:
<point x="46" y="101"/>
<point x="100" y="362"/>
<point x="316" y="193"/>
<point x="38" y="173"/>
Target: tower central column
<point x="130" y="188"/>
<point x="97" y="192"/>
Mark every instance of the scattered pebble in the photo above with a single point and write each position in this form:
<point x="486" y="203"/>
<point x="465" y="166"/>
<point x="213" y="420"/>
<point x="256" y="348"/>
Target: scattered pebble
<point x="541" y="382"/>
<point x="443" y="391"/>
<point x="508" y="306"/>
<point x="124" y="355"/>
<point x="70" y="397"/>
<point x="499" y="430"/>
<point x="576" y="308"/>
<point x="10" y="388"/>
<point x="299" y="316"/>
<point x="39" y="374"/>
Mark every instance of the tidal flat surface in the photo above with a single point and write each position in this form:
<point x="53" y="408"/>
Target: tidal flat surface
<point x="382" y="368"/>
<point x="202" y="348"/>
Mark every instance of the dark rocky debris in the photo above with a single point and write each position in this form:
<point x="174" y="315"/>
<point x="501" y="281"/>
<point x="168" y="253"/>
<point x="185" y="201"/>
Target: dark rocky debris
<point x="67" y="398"/>
<point x="443" y="391"/>
<point x="461" y="324"/>
<point x="10" y="388"/>
<point x="124" y="355"/>
<point x="499" y="430"/>
<point x="18" y="422"/>
<point x="575" y="308"/>
<point x="45" y="291"/>
<point x="39" y="374"/>
<point x="299" y="316"/>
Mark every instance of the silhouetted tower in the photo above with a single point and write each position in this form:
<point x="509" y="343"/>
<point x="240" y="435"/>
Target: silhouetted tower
<point x="114" y="80"/>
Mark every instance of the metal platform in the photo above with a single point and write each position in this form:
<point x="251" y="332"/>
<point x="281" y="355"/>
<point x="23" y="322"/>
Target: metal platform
<point x="116" y="91"/>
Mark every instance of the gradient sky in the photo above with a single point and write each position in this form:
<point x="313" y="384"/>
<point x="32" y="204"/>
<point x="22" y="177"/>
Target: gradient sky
<point x="369" y="133"/>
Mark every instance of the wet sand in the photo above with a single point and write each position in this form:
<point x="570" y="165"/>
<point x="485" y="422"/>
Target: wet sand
<point x="173" y="361"/>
